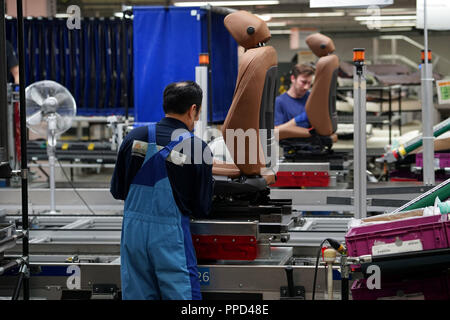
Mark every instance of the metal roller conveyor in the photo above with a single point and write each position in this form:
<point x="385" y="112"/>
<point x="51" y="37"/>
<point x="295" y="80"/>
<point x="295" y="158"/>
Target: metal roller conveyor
<point x="8" y="240"/>
<point x="91" y="244"/>
<point x="63" y="246"/>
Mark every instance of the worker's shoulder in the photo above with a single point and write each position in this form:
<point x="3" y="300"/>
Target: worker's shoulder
<point x="138" y="133"/>
<point x="281" y="98"/>
<point x="195" y="144"/>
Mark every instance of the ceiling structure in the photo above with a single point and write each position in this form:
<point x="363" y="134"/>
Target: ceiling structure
<point x="287" y="14"/>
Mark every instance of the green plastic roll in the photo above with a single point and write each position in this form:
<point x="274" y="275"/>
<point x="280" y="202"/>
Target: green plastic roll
<point x="438" y="131"/>
<point x="427" y="199"/>
<point x="403" y="150"/>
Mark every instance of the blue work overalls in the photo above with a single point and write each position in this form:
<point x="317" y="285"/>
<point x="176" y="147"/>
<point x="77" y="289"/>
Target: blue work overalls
<point x="157" y="255"/>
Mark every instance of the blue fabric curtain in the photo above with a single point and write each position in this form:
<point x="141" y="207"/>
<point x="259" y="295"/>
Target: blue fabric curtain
<point x="166" y="47"/>
<point x="167" y="44"/>
<point x="224" y="66"/>
<point x="96" y="63"/>
<point x="89" y="62"/>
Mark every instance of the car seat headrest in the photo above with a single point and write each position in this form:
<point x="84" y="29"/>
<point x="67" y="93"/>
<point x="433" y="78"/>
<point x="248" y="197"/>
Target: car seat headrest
<point x="248" y="30"/>
<point x="320" y="44"/>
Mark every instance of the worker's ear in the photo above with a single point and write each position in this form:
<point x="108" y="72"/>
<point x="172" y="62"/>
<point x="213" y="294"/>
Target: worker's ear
<point x="198" y="108"/>
<point x="193" y="111"/>
<point x="292" y="78"/>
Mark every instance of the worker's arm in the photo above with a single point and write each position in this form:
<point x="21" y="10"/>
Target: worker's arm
<point x="128" y="163"/>
<point x="291" y="130"/>
<point x="119" y="186"/>
<point x="15" y="73"/>
<point x="204" y="186"/>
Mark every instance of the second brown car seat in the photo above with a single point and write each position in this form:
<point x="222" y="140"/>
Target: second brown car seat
<point x="321" y="104"/>
<point x="252" y="108"/>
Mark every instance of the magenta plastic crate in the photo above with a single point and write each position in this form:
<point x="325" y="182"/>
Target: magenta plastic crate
<point x="447" y="229"/>
<point x="430" y="230"/>
<point x="444" y="160"/>
<point x="436" y="288"/>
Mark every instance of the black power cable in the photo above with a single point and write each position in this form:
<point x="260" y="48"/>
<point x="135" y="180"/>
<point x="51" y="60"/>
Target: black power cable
<point x="23" y="141"/>
<point x="20" y="279"/>
<point x="316" y="267"/>
<point x="74" y="189"/>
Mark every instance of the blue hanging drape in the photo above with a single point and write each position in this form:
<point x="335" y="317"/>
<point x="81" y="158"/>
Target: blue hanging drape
<point x="167" y="44"/>
<point x="89" y="61"/>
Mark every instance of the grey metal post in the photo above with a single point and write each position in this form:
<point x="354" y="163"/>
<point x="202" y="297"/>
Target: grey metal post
<point x="376" y="49"/>
<point x="427" y="105"/>
<point x="359" y="140"/>
<point x="201" y="77"/>
<point x="10" y="120"/>
<point x="394" y="50"/>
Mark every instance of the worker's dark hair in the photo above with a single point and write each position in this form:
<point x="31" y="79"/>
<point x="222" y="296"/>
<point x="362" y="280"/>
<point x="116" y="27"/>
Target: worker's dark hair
<point x="303" y="69"/>
<point x="180" y="96"/>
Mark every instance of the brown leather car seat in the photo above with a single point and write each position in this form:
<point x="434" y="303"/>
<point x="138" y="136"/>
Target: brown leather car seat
<point x="321" y="104"/>
<point x="253" y="100"/>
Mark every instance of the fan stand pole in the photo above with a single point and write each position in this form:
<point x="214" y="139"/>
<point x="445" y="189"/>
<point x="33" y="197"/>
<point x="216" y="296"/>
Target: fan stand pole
<point x="51" y="146"/>
<point x="51" y="161"/>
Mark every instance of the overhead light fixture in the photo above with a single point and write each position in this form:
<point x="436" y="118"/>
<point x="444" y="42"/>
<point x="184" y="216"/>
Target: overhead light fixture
<point x="304" y="15"/>
<point x="226" y="3"/>
<point x="120" y="14"/>
<point x="388" y="24"/>
<point x="395" y="29"/>
<point x="381" y="18"/>
<point x="264" y="17"/>
<point x="277" y="24"/>
<point x="62" y="15"/>
<point x="283" y="31"/>
<point x="404" y="11"/>
<point x="398" y="24"/>
<point x="348" y="3"/>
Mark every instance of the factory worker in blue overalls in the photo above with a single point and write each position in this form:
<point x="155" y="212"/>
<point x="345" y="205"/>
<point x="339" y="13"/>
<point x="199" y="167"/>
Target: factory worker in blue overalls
<point x="163" y="183"/>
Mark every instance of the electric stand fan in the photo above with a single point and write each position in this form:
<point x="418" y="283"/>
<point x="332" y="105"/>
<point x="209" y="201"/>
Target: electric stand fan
<point x="50" y="110"/>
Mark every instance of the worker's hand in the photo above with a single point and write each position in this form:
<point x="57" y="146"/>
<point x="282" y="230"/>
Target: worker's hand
<point x="334" y="137"/>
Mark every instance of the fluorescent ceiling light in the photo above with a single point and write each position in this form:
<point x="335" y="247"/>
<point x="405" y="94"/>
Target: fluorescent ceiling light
<point x="277" y="24"/>
<point x="405" y="11"/>
<point x="381" y="18"/>
<point x="305" y="14"/>
<point x="395" y="29"/>
<point x="62" y="15"/>
<point x="393" y="25"/>
<point x="264" y="17"/>
<point x="348" y="3"/>
<point x="225" y="3"/>
<point x="388" y="24"/>
<point x="280" y="31"/>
